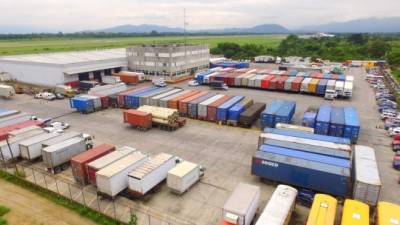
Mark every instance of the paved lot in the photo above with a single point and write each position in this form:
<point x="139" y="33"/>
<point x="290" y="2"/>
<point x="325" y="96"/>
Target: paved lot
<point x="224" y="151"/>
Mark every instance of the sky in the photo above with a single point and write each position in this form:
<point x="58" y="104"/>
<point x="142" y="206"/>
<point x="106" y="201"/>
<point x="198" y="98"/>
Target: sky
<point x="78" y="15"/>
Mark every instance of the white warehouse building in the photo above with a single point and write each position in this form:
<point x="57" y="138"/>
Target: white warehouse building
<point x="63" y="68"/>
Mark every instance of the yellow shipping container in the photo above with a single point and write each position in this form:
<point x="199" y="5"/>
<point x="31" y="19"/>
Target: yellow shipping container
<point x="355" y="213"/>
<point x="323" y="210"/>
<point x="312" y="86"/>
<point x="387" y="214"/>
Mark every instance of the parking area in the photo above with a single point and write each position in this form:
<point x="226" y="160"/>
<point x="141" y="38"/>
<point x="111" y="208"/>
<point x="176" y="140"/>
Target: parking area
<point x="224" y="151"/>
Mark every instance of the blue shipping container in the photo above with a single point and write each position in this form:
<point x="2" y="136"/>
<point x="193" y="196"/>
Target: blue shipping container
<point x="192" y="105"/>
<point x="200" y="76"/>
<point x="293" y="73"/>
<point x="285" y="113"/>
<point x="129" y="99"/>
<point x="337" y="153"/>
<point x="267" y="117"/>
<point x="82" y="104"/>
<point x="222" y="110"/>
<point x="336" y="126"/>
<point x="235" y="111"/>
<point x="342" y="77"/>
<point x="312" y="171"/>
<point x="306" y="135"/>
<point x="309" y="119"/>
<point x="323" y="119"/>
<point x="321" y="87"/>
<point x="136" y="97"/>
<point x="352" y="124"/>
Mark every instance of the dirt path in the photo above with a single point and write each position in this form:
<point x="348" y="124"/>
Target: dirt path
<point x="28" y="208"/>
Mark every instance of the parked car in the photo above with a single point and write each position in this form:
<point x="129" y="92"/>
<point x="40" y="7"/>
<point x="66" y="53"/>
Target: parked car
<point x="396" y="162"/>
<point x="388" y="114"/>
<point x="59" y="125"/>
<point x="45" y="95"/>
<point x="193" y="83"/>
<point x="159" y="83"/>
<point x="59" y="96"/>
<point x="394" y="131"/>
<point x="53" y="130"/>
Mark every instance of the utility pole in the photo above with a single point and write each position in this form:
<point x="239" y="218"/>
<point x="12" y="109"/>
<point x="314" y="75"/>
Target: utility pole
<point x="184" y="34"/>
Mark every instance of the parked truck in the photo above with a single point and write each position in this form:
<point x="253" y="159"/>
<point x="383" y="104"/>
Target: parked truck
<point x="348" y="89"/>
<point x="330" y="92"/>
<point x="65" y="136"/>
<point x="183" y="176"/>
<point x="6" y="91"/>
<point x="32" y="148"/>
<point x="242" y="205"/>
<point x="56" y="157"/>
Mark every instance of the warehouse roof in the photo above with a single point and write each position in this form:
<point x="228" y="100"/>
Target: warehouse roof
<point x="63" y="58"/>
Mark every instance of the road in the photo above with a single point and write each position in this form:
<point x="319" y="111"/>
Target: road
<point x="27" y="208"/>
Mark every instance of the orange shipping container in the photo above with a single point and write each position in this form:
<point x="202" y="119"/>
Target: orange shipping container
<point x="212" y="108"/>
<point x="183" y="109"/>
<point x="138" y="118"/>
<point x="127" y="77"/>
<point x="174" y="103"/>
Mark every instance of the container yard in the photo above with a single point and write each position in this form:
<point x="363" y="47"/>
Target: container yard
<point x="322" y="154"/>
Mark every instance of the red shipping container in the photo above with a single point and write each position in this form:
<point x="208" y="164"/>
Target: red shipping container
<point x="273" y="83"/>
<point x="183" y="104"/>
<point x="212" y="108"/>
<point x="104" y="100"/>
<point x="280" y="84"/>
<point x="174" y="103"/>
<point x="4" y="131"/>
<point x="121" y="95"/>
<point x="296" y="84"/>
<point x="129" y="78"/>
<point x="266" y="80"/>
<point x="79" y="162"/>
<point x="138" y="118"/>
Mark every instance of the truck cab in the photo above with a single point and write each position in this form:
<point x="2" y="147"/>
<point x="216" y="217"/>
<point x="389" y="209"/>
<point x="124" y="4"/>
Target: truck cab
<point x="339" y="88"/>
<point x="330" y="94"/>
<point x="88" y="140"/>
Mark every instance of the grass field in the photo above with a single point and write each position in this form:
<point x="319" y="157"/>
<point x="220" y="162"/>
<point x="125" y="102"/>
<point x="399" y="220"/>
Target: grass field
<point x="41" y="45"/>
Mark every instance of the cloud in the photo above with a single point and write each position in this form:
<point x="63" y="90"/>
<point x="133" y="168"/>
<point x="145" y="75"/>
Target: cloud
<point x="75" y="15"/>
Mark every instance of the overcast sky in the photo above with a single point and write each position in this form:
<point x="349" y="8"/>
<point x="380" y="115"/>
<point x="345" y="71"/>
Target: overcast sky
<point x="77" y="15"/>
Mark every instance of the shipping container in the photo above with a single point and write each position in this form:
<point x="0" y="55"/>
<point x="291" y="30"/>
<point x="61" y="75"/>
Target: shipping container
<point x="294" y="127"/>
<point x="312" y="86"/>
<point x="339" y="88"/>
<point x="337" y="122"/>
<point x="327" y="76"/>
<point x="355" y="213"/>
<point x="323" y="119"/>
<point x="183" y="176"/>
<point x="164" y="101"/>
<point x="387" y="213"/>
<point x="106" y="160"/>
<point x="122" y="96"/>
<point x="259" y="79"/>
<point x="296" y="84"/>
<point x="348" y="89"/>
<point x="4" y="113"/>
<point x="129" y="77"/>
<point x="300" y="134"/>
<point x="14" y="119"/>
<point x="280" y="207"/>
<point x="132" y="99"/>
<point x="109" y="89"/>
<point x="241" y="206"/>
<point x="274" y="83"/>
<point x="288" y="83"/>
<point x="212" y="108"/>
<point x="222" y="110"/>
<point x="265" y="82"/>
<point x="61" y="138"/>
<point x="85" y="103"/>
<point x="57" y="155"/>
<point x="147" y="176"/>
<point x="138" y="119"/>
<point x="31" y="148"/>
<point x="174" y="103"/>
<point x="10" y="148"/>
<point x="303" y="169"/>
<point x="248" y="117"/>
<point x="308" y="119"/>
<point x="193" y="105"/>
<point x="367" y="182"/>
<point x="155" y="101"/>
<point x="237" y="109"/>
<point x="280" y="84"/>
<point x="113" y="179"/>
<point x="321" y="87"/>
<point x="245" y="80"/>
<point x="238" y="79"/>
<point x="145" y="98"/>
<point x="304" y="85"/>
<point x="183" y="103"/>
<point x="202" y="106"/>
<point x="267" y="117"/>
<point x="5" y="131"/>
<point x="306" y="145"/>
<point x="285" y="113"/>
<point x="199" y="77"/>
<point x="79" y="162"/>
<point x="352" y="124"/>
<point x="323" y="210"/>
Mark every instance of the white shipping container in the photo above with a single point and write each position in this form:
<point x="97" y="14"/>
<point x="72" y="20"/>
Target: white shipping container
<point x="288" y="83"/>
<point x="113" y="179"/>
<point x="14" y="119"/>
<point x="202" y="107"/>
<point x="259" y="78"/>
<point x="367" y="182"/>
<point x="11" y="150"/>
<point x="242" y="205"/>
<point x="144" y="178"/>
<point x="280" y="207"/>
<point x="155" y="101"/>
<point x="32" y="148"/>
<point x="238" y="79"/>
<point x="58" y="154"/>
<point x="111" y="157"/>
<point x="61" y="138"/>
<point x="24" y="130"/>
<point x="109" y="89"/>
<point x="183" y="176"/>
<point x="145" y="99"/>
<point x="304" y="84"/>
<point x="110" y="79"/>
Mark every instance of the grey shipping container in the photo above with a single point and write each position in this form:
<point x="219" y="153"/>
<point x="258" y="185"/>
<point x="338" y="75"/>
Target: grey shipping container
<point x="164" y="101"/>
<point x="31" y="148"/>
<point x="61" y="138"/>
<point x="145" y="99"/>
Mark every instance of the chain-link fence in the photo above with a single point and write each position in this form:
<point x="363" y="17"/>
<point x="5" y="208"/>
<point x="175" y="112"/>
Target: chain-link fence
<point x="87" y="196"/>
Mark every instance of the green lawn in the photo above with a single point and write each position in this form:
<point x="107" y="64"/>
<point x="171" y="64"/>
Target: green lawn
<point x="3" y="211"/>
<point x="40" y="45"/>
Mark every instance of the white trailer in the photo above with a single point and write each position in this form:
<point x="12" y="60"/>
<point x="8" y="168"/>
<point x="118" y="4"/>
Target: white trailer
<point x="6" y="91"/>
<point x="304" y="85"/>
<point x="150" y="174"/>
<point x="109" y="89"/>
<point x="280" y="207"/>
<point x="8" y="113"/>
<point x="10" y="148"/>
<point x="348" y="89"/>
<point x="110" y="80"/>
<point x="367" y="182"/>
<point x="183" y="176"/>
<point x="113" y="179"/>
<point x="32" y="148"/>
<point x="339" y="88"/>
<point x="61" y="138"/>
<point x="14" y="119"/>
<point x="242" y="205"/>
<point x="56" y="157"/>
<point x="330" y="92"/>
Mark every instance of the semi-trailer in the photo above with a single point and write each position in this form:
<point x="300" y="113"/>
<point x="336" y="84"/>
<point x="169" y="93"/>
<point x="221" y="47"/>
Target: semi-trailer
<point x="183" y="176"/>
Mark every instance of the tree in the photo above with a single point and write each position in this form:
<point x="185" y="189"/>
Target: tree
<point x="378" y="48"/>
<point x="393" y="58"/>
<point x="153" y="33"/>
<point x="358" y="39"/>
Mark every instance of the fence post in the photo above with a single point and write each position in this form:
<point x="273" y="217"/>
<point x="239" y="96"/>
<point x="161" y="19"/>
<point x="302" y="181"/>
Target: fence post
<point x="45" y="182"/>
<point x="34" y="177"/>
<point x="58" y="190"/>
<point x="115" y="212"/>
<point x="83" y="196"/>
<point x="98" y="203"/>
<point x="69" y="188"/>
